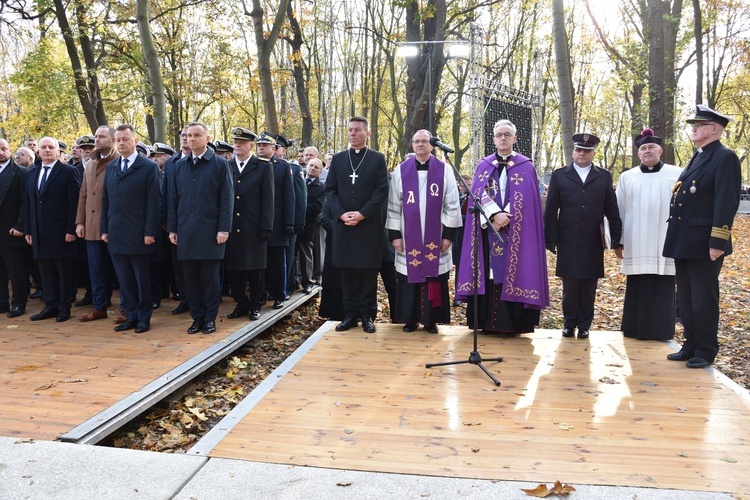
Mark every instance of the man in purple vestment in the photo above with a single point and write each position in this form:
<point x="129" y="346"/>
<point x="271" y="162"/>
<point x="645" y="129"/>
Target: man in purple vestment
<point x="512" y="285"/>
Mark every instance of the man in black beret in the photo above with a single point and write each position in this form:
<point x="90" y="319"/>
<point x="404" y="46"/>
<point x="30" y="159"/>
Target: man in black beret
<point x="580" y="196"/>
<point x="699" y="234"/>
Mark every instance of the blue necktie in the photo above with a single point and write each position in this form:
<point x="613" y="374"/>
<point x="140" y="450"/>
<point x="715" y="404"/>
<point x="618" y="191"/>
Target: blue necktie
<point x="44" y="178"/>
<point x="124" y="165"/>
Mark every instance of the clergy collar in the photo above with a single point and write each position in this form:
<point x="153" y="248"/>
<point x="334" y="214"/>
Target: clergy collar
<point x="506" y="157"/>
<point x="357" y="151"/>
<point x="653" y="169"/>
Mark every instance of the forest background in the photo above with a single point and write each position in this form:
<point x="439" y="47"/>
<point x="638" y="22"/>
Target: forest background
<point x="301" y="68"/>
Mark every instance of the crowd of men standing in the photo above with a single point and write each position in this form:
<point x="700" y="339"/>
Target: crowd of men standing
<point x="226" y="219"/>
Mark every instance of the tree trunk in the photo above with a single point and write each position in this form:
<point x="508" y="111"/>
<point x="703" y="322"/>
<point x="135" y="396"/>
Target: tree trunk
<point x="298" y="71"/>
<point x="154" y="72"/>
<point x="698" y="26"/>
<point x="564" y="80"/>
<point x="265" y="47"/>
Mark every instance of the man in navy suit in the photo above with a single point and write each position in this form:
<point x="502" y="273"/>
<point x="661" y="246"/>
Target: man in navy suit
<point x="199" y="220"/>
<point x="699" y="234"/>
<point x="51" y="205"/>
<point x="12" y="245"/>
<point x="129" y="225"/>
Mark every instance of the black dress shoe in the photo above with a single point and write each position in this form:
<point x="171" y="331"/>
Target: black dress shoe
<point x="697" y="363"/>
<point x="569" y="332"/>
<point x="680" y="355"/>
<point x="278" y="304"/>
<point x="307" y="289"/>
<point x="142" y="326"/>
<point x="368" y="326"/>
<point x="410" y="327"/>
<point x="209" y="327"/>
<point x="47" y="313"/>
<point x="16" y="311"/>
<point x="85" y="301"/>
<point x="237" y="313"/>
<point x="5" y="308"/>
<point x="196" y="326"/>
<point x="583" y="334"/>
<point x="38" y="294"/>
<point x="431" y="328"/>
<point x="156" y="304"/>
<point x="181" y="309"/>
<point x="62" y="316"/>
<point x="346" y="324"/>
<point x="128" y="325"/>
<point x="254" y="314"/>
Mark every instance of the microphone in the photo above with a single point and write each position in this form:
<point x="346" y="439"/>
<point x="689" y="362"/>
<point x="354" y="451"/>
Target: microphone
<point x="436" y="143"/>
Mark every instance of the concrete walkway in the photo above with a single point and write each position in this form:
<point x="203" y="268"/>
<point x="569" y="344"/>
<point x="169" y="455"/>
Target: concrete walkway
<point x="39" y="470"/>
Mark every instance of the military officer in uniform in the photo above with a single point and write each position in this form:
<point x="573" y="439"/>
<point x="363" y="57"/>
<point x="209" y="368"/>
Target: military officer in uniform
<point x="699" y="234"/>
<point x="580" y="196"/>
<point x="252" y="223"/>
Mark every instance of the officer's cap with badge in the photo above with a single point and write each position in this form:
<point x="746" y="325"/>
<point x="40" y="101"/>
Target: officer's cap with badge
<point x="585" y="141"/>
<point x="266" y="138"/>
<point x="223" y="147"/>
<point x="211" y="146"/>
<point x="706" y="114"/>
<point x="243" y="134"/>
<point x="143" y="149"/>
<point x="647" y="137"/>
<point x="86" y="141"/>
<point x="62" y="146"/>
<point x="283" y="142"/>
<point x="163" y="149"/>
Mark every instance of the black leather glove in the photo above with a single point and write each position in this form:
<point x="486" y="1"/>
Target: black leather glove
<point x="265" y="235"/>
<point x="552" y="246"/>
<point x="288" y="230"/>
<point x="299" y="228"/>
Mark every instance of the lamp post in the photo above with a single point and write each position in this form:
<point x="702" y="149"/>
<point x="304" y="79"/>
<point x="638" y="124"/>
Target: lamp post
<point x="456" y="49"/>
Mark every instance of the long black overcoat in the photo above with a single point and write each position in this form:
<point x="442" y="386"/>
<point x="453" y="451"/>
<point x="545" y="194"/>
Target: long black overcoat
<point x="130" y="206"/>
<point x="284" y="202"/>
<point x="200" y="206"/>
<point x="252" y="214"/>
<point x="573" y="217"/>
<point x="316" y="198"/>
<point x="51" y="214"/>
<point x="360" y="246"/>
<point x="300" y="194"/>
<point x="12" y="204"/>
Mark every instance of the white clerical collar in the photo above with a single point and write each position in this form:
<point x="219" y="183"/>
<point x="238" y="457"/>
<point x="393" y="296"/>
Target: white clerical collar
<point x="509" y="155"/>
<point x="700" y="150"/>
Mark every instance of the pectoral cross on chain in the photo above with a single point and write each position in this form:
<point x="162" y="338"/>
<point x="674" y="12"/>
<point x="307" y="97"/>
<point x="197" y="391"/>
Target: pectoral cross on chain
<point x="354" y="177"/>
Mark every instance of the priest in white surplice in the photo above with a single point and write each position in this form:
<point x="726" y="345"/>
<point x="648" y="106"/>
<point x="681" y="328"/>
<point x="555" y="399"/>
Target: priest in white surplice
<point x="643" y="198"/>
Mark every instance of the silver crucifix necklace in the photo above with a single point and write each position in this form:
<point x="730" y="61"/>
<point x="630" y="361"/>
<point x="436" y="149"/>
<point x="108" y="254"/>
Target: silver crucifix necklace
<point x="354" y="170"/>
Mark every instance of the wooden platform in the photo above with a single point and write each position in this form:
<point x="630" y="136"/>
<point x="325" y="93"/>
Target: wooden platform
<point x="608" y="411"/>
<point x="56" y="376"/>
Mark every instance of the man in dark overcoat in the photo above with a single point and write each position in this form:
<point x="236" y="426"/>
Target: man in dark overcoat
<point x="252" y="223"/>
<point x="129" y="226"/>
<point x="50" y="227"/>
<point x="12" y="245"/>
<point x="283" y="220"/>
<point x="179" y="275"/>
<point x="199" y="221"/>
<point x="357" y="188"/>
<point x="580" y="196"/>
<point x="316" y="197"/>
<point x="699" y="234"/>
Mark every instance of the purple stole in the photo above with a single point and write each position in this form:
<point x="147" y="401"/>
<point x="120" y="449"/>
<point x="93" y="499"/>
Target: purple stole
<point x="518" y="263"/>
<point x="422" y="256"/>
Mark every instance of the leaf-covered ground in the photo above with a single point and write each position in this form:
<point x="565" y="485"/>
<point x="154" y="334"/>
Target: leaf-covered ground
<point x="176" y="426"/>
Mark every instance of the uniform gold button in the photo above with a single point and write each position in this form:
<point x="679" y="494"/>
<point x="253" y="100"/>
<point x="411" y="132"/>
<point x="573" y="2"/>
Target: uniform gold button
<point x="680" y="204"/>
<point x="237" y="214"/>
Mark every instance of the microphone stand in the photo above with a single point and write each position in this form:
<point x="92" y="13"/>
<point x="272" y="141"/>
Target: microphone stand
<point x="476" y="209"/>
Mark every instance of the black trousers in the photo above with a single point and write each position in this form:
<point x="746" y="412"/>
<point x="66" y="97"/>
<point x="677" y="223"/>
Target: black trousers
<point x="360" y="289"/>
<point x="306" y="267"/>
<point x="578" y="302"/>
<point x="179" y="275"/>
<point x="58" y="276"/>
<point x="698" y="293"/>
<point x="237" y="282"/>
<point x="276" y="272"/>
<point x="13" y="266"/>
<point x="134" y="276"/>
<point x="203" y="287"/>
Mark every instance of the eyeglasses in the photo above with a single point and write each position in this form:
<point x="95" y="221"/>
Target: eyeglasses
<point x="701" y="124"/>
<point x="583" y="150"/>
<point x="19" y="156"/>
<point x="507" y="135"/>
<point x="420" y="141"/>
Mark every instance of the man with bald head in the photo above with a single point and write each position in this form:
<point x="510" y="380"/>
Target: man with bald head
<point x="24" y="157"/>
<point x="51" y="205"/>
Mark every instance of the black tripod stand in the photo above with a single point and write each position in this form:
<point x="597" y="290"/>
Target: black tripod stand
<point x="476" y="209"/>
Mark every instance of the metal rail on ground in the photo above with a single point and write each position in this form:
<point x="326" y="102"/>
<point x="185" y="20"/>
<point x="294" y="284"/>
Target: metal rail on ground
<point x="119" y="414"/>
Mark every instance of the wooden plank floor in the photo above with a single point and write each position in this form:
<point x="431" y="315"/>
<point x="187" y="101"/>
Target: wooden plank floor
<point x="607" y="411"/>
<point x="53" y="376"/>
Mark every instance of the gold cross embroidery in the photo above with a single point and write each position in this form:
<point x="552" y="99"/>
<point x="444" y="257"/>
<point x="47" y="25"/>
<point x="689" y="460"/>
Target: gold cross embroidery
<point x="414" y="252"/>
<point x="430" y="257"/>
<point x="431" y="246"/>
<point x="484" y="176"/>
<point x="498" y="250"/>
<point x="517" y="179"/>
<point x="415" y="262"/>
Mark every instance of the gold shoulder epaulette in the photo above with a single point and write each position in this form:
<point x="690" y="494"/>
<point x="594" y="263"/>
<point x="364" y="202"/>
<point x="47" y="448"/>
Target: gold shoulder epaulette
<point x="723" y="233"/>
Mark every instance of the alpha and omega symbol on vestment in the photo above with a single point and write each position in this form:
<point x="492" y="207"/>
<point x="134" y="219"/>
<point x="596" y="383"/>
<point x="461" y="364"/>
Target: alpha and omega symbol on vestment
<point x="434" y="189"/>
<point x="410" y="198"/>
<point x="517" y="179"/>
